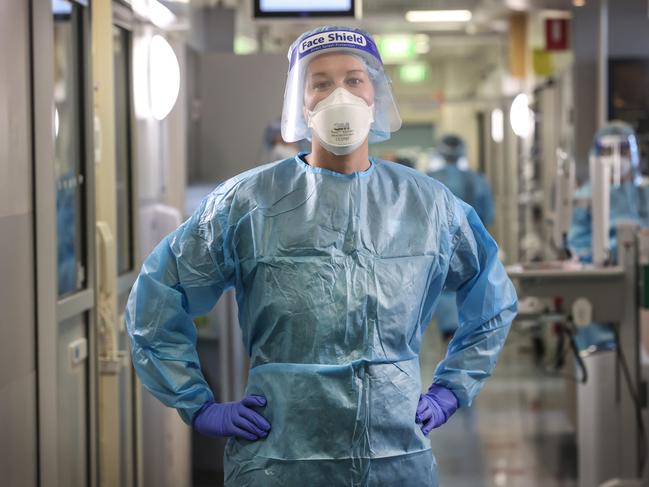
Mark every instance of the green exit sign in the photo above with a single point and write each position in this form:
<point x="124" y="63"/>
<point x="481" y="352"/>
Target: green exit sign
<point x="413" y="72"/>
<point x="397" y="47"/>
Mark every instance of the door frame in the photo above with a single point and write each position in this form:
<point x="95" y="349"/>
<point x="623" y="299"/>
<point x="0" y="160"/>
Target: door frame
<point x="123" y="17"/>
<point x="50" y="310"/>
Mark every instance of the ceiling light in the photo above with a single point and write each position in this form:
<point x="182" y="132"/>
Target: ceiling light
<point x="160" y="15"/>
<point x="438" y="15"/>
<point x="578" y="3"/>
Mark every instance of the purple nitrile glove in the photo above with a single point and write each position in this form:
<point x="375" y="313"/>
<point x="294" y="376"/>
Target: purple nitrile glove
<point x="233" y="419"/>
<point x="435" y="407"/>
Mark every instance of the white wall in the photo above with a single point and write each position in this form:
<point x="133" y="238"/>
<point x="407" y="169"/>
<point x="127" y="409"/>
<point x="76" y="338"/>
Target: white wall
<point x="238" y="96"/>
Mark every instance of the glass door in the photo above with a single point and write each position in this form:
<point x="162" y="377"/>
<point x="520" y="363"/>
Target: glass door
<point x="65" y="248"/>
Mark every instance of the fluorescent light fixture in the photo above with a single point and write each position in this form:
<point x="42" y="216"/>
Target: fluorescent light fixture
<point x="497" y="125"/>
<point x="160" y="15"/>
<point x="141" y="7"/>
<point x="438" y="15"/>
<point x="520" y="116"/>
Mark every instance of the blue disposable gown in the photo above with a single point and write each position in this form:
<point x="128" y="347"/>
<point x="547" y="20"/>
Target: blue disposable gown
<point x="472" y="188"/>
<point x="336" y="278"/>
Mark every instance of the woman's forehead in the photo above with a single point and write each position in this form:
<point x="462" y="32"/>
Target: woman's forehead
<point x="335" y="63"/>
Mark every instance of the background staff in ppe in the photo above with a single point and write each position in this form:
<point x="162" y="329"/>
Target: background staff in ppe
<point x="472" y="188"/>
<point x="614" y="144"/>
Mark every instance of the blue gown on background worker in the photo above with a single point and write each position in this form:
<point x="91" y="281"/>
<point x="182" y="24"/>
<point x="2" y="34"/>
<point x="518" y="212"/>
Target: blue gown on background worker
<point x="629" y="201"/>
<point x="472" y="188"/>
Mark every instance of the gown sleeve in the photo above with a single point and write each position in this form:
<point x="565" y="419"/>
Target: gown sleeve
<point x="487" y="305"/>
<point x="182" y="278"/>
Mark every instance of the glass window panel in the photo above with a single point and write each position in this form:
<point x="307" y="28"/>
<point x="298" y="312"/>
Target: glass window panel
<point x="68" y="132"/>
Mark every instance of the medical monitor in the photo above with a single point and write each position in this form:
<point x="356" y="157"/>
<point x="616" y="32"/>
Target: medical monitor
<point x="305" y="8"/>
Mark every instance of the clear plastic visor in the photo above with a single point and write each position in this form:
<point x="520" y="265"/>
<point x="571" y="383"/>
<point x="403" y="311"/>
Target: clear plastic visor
<point x="347" y="74"/>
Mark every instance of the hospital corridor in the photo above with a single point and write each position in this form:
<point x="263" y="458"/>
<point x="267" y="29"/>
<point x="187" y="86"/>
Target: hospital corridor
<point x="322" y="243"/>
<point x="518" y="433"/>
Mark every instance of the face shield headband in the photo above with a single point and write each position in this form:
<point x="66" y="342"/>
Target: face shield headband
<point x="335" y="39"/>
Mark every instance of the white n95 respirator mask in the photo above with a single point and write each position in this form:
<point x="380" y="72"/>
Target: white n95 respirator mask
<point x="341" y="122"/>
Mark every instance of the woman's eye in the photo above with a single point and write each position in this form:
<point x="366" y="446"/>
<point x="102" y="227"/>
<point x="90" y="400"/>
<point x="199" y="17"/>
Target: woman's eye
<point x="320" y="85"/>
<point x="354" y="81"/>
